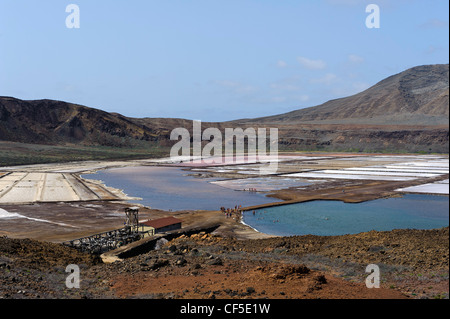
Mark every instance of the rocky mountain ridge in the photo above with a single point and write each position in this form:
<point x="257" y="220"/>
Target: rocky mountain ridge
<point x="407" y="112"/>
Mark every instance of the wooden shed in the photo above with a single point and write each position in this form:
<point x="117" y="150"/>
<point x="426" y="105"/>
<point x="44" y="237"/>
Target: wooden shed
<point x="162" y="225"/>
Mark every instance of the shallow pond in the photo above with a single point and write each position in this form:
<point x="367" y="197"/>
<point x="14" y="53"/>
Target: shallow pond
<point x="323" y="217"/>
<point x="169" y="188"/>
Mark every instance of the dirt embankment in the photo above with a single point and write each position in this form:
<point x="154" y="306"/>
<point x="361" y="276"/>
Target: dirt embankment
<point x="413" y="264"/>
<point x="369" y="139"/>
<point x="34" y="269"/>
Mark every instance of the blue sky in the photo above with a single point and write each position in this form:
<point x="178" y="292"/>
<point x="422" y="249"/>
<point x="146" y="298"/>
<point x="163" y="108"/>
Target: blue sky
<point x="212" y="60"/>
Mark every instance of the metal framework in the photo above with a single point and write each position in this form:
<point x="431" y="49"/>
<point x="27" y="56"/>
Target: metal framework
<point x="132" y="218"/>
<point x="102" y="242"/>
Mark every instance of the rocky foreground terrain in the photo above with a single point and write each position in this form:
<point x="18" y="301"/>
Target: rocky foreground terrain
<point x="413" y="264"/>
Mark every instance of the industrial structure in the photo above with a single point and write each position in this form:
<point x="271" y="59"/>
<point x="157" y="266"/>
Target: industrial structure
<point x="162" y="225"/>
<point x="132" y="231"/>
<point x="102" y="242"/>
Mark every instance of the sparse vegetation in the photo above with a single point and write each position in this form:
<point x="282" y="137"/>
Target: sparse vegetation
<point x="12" y="153"/>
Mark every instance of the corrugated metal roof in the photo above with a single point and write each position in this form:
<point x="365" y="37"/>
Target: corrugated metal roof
<point x="162" y="222"/>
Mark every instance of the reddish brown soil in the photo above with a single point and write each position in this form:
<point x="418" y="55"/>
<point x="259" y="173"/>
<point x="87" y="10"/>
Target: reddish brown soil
<point x="242" y="280"/>
<point x="413" y="264"/>
<point x="300" y="267"/>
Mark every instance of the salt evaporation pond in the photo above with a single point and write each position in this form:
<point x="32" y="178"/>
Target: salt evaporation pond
<point x="323" y="217"/>
<point x="7" y="215"/>
<point x="169" y="188"/>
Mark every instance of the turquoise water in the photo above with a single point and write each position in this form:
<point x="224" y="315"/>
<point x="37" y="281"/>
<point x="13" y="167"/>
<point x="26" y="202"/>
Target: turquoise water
<point x="168" y="188"/>
<point x="337" y="218"/>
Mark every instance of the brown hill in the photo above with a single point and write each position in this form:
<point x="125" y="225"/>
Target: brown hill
<point x="408" y="112"/>
<point x="59" y="123"/>
<point x="417" y="96"/>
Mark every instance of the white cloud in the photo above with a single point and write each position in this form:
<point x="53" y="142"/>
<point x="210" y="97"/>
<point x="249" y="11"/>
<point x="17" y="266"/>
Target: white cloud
<point x="432" y="49"/>
<point x="278" y="99"/>
<point x="291" y="83"/>
<point x="303" y="98"/>
<point x="327" y="79"/>
<point x="311" y="64"/>
<point x="434" y="23"/>
<point x="237" y="87"/>
<point x="246" y="89"/>
<point x="285" y="87"/>
<point x="227" y="83"/>
<point x="281" y="64"/>
<point x="355" y="59"/>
